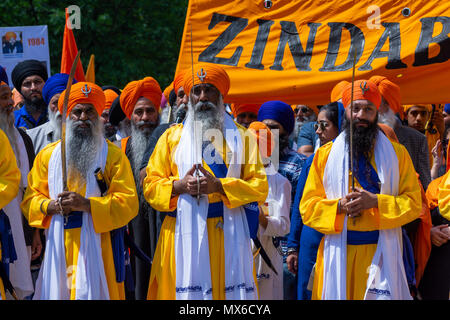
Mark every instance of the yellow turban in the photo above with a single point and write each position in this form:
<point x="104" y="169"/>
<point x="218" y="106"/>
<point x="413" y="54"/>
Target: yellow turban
<point x="406" y="107"/>
<point x="208" y="73"/>
<point x="147" y="87"/>
<point x="83" y="92"/>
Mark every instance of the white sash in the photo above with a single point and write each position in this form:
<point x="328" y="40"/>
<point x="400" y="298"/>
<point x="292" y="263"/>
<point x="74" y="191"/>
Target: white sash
<point x="193" y="271"/>
<point x="90" y="283"/>
<point x="20" y="272"/>
<point x="387" y="278"/>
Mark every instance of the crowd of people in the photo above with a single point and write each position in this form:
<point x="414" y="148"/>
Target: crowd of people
<point x="142" y="193"/>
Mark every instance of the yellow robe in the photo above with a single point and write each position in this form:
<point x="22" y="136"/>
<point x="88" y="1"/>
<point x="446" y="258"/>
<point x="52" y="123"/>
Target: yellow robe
<point x="162" y="171"/>
<point x="9" y="181"/>
<point x="110" y="212"/>
<point x="444" y="196"/>
<point x="320" y="213"/>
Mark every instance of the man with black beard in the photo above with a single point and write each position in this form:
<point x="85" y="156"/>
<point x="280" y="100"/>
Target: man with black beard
<point x="83" y="257"/>
<point x="27" y="240"/>
<point x="29" y="77"/>
<point x="279" y="115"/>
<point x="362" y="225"/>
<point x="140" y="102"/>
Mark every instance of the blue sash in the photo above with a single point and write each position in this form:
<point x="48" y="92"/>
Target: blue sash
<point x="75" y="220"/>
<point x="6" y="239"/>
<point x="220" y="170"/>
<point x="120" y="254"/>
<point x="374" y="186"/>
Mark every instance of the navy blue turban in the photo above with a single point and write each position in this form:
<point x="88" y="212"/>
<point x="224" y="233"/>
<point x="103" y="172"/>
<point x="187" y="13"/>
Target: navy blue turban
<point x="55" y="84"/>
<point x="447" y="108"/>
<point x="25" y="69"/>
<point x="3" y="76"/>
<point x="278" y="111"/>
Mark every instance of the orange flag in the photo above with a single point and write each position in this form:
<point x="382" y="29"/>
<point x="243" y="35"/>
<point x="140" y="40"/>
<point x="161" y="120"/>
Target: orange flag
<point x="69" y="52"/>
<point x="90" y="72"/>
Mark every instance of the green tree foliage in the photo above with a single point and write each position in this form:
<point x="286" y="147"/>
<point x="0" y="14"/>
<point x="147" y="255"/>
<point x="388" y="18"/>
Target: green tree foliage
<point x="130" y="39"/>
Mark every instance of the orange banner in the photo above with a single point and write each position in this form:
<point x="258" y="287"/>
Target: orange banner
<point x="296" y="51"/>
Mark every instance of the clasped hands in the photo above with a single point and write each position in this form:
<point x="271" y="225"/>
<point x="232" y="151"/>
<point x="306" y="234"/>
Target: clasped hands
<point x="68" y="201"/>
<point x="357" y="201"/>
<point x="205" y="184"/>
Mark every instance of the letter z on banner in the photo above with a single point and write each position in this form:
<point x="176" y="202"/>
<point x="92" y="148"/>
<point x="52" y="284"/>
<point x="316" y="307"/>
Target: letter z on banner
<point x="297" y="50"/>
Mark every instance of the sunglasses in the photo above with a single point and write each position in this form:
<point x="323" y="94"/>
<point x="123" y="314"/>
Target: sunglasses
<point x="322" y="124"/>
<point x="303" y="109"/>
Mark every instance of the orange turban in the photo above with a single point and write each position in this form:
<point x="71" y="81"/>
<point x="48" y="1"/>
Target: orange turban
<point x="263" y="137"/>
<point x="83" y="92"/>
<point x="17" y="97"/>
<point x="429" y="107"/>
<point x="178" y="81"/>
<point x="147" y="87"/>
<point x="336" y="93"/>
<point x="167" y="91"/>
<point x="363" y="90"/>
<point x="110" y="96"/>
<point x="390" y="92"/>
<point x="208" y="73"/>
<point x="237" y="108"/>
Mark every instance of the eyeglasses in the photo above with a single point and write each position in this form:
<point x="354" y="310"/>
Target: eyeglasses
<point x="322" y="125"/>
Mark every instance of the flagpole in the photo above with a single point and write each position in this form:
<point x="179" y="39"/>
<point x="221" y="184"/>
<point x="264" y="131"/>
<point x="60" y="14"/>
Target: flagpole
<point x="197" y="174"/>
<point x="351" y="122"/>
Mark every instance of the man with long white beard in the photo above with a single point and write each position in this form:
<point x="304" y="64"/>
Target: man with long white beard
<point x="50" y="131"/>
<point x="415" y="142"/>
<point x="204" y="249"/>
<point x="140" y="102"/>
<point x="29" y="77"/>
<point x="27" y="241"/>
<point x="83" y="259"/>
<point x="362" y="225"/>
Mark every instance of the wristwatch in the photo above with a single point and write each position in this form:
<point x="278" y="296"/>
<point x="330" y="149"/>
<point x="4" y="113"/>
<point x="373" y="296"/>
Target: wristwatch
<point x="291" y="250"/>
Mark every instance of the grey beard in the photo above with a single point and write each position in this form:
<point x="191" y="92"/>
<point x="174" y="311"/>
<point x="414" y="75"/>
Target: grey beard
<point x="139" y="143"/>
<point x="212" y="118"/>
<point x="388" y="118"/>
<point x="55" y="122"/>
<point x="125" y="127"/>
<point x="298" y="125"/>
<point x="83" y="145"/>
<point x="7" y="125"/>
